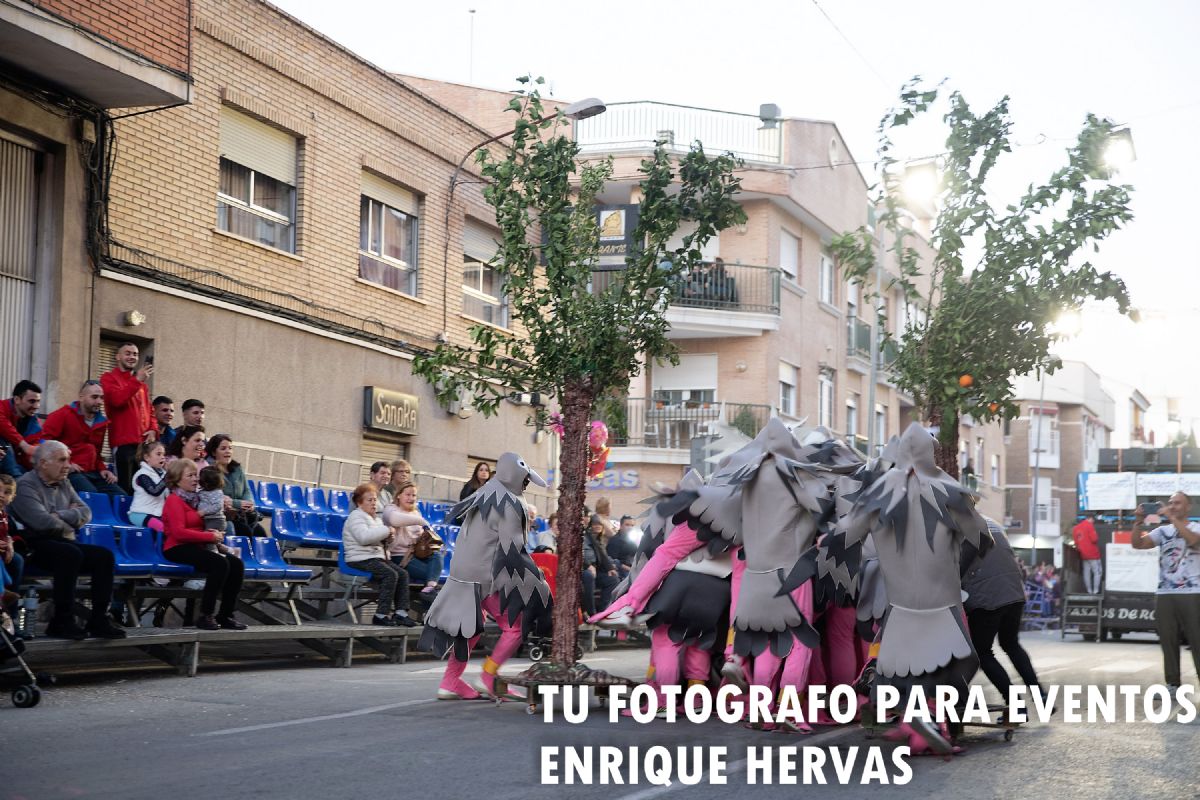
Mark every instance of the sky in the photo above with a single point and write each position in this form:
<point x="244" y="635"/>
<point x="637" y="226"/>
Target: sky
<point x="845" y="60"/>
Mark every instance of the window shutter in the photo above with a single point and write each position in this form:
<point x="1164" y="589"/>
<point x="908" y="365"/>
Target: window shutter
<point x="256" y="145"/>
<point x="693" y="372"/>
<point x="389" y="193"/>
<point x="480" y="241"/>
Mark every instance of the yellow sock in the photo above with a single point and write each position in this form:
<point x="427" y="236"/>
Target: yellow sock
<point x="873" y="650"/>
<point x="490" y="667"/>
<point x="695" y="682"/>
<point x="650" y="672"/>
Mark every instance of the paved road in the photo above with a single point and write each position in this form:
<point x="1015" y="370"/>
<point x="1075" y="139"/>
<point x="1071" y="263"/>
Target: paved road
<point x="372" y="731"/>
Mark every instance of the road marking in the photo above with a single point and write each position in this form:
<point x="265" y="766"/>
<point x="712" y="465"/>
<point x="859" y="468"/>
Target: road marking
<point x="305" y="720"/>
<point x="1122" y="667"/>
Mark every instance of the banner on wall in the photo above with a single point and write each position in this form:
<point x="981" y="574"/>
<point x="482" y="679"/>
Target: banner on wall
<point x="1107" y="491"/>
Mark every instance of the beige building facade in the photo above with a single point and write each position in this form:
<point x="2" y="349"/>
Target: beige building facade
<point x="284" y="244"/>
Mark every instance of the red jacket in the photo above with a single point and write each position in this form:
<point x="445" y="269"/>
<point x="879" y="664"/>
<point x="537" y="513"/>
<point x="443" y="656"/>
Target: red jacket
<point x="1086" y="540"/>
<point x="128" y="402"/>
<point x="11" y="436"/>
<point x="68" y="426"/>
<point x="182" y="524"/>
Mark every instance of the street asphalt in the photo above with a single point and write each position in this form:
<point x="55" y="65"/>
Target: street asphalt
<point x="297" y="728"/>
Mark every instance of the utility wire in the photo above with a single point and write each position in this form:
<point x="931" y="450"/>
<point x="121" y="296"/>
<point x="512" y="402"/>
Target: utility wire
<point x="887" y="84"/>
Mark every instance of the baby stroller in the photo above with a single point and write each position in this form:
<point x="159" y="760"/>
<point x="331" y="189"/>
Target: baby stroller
<point x="18" y="678"/>
<point x="539" y="633"/>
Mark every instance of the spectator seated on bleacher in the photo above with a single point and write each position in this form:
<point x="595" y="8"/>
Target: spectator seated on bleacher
<point x="240" y="509"/>
<point x="381" y="475"/>
<point x="189" y="443"/>
<point x="51" y="513"/>
<point x="415" y="547"/>
<point x="185" y="541"/>
<point x="365" y="539"/>
<point x="149" y="485"/>
<point x="547" y="540"/>
<point x="82" y="426"/>
<point x="20" y="428"/>
<point x="12" y="565"/>
<point x="401" y="473"/>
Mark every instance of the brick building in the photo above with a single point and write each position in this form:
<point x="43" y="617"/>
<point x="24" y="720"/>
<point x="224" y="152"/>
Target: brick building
<point x="288" y="242"/>
<point x="1064" y="423"/>
<point x="66" y="68"/>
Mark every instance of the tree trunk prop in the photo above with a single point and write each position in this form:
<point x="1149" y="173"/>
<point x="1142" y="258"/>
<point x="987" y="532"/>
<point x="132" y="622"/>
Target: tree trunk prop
<point x="576" y="407"/>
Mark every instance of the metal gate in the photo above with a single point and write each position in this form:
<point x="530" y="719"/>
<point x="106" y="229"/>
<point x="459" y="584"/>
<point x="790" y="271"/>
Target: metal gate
<point x="19" y="170"/>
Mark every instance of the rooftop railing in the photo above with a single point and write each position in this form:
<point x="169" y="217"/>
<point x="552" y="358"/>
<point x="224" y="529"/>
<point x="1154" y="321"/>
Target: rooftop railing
<point x="718" y="286"/>
<point x="638" y="125"/>
<point x="639" y="422"/>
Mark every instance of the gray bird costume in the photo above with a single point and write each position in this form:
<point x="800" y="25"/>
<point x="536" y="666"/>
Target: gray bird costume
<point x="664" y="504"/>
<point x="917" y="515"/>
<point x="489" y="556"/>
<point x="766" y="500"/>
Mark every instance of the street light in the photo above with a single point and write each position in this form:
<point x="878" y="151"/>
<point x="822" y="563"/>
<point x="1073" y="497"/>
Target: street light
<point x="580" y="109"/>
<point x="1119" y="153"/>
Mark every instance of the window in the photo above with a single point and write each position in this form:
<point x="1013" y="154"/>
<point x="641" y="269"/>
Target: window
<point x="693" y="380"/>
<point x="483" y="290"/>
<point x="881" y="433"/>
<point x="851" y="419"/>
<point x="789" y="255"/>
<point x="825" y="400"/>
<point x="979" y="462"/>
<point x="995" y="475"/>
<point x="825" y="293"/>
<point x="388" y="235"/>
<point x="256" y="196"/>
<point x="787" y="389"/>
<point x="852" y="297"/>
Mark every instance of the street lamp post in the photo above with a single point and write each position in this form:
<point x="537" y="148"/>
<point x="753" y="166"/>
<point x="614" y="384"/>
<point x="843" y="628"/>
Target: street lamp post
<point x="580" y="109"/>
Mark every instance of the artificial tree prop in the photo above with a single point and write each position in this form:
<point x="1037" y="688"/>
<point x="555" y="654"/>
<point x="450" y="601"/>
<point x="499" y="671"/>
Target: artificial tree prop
<point x="998" y="278"/>
<point x="574" y="336"/>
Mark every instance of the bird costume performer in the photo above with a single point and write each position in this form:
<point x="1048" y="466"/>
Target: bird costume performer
<point x="917" y="516"/>
<point x="491" y="572"/>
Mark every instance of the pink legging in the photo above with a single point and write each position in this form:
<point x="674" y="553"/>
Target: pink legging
<point x="795" y="667"/>
<point x="508" y="644"/>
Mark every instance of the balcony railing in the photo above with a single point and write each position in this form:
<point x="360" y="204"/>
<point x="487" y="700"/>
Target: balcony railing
<point x="637" y="422"/>
<point x="637" y="126"/>
<point x="718" y="286"/>
<point x="858" y="343"/>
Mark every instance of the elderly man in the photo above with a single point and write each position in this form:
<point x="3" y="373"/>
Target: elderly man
<point x="51" y="513"/>
<point x="1177" y="605"/>
<point x="81" y="426"/>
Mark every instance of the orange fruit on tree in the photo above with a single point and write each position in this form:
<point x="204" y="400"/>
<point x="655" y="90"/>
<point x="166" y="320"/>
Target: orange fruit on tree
<point x="993" y="407"/>
<point x="965" y="381"/>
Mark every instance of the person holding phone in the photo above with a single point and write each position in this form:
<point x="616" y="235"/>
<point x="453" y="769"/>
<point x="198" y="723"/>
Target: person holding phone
<point x="127" y="398"/>
<point x="1177" y="602"/>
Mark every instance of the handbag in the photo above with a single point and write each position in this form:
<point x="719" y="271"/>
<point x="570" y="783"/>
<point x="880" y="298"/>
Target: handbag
<point x="427" y="544"/>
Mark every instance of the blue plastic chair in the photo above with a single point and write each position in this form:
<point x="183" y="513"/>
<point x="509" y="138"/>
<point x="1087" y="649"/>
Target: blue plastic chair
<point x="144" y="545"/>
<point x="270" y="497"/>
<point x="266" y="552"/>
<point x="247" y="555"/>
<point x="102" y="511"/>
<point x="447" y="555"/>
<point x="333" y="529"/>
<point x="253" y="484"/>
<point x="121" y="504"/>
<point x="437" y="513"/>
<point x="316" y="534"/>
<point x="103" y="536"/>
<point x="449" y="533"/>
<point x="339" y="502"/>
<point x="285" y="525"/>
<point x="317" y="502"/>
<point x="293" y="498"/>
<point x="346" y="569"/>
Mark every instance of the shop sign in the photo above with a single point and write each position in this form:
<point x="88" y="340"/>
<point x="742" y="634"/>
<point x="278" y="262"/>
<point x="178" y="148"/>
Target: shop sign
<point x="385" y="410"/>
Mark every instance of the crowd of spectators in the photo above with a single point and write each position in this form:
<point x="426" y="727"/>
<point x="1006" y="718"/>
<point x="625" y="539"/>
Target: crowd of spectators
<point x="45" y="465"/>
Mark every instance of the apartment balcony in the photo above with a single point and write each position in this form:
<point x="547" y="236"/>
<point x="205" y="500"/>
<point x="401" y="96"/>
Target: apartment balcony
<point x="858" y="347"/>
<point x="1048" y="455"/>
<point x="717" y="300"/>
<point x="1048" y="518"/>
<point x="638" y="422"/>
<point x="89" y="65"/>
<point x="635" y="127"/>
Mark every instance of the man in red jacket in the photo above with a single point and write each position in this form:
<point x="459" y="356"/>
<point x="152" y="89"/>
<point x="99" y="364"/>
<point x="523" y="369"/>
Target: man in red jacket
<point x="1087" y="543"/>
<point x="20" y="429"/>
<point x="128" y="401"/>
<point x="81" y="427"/>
